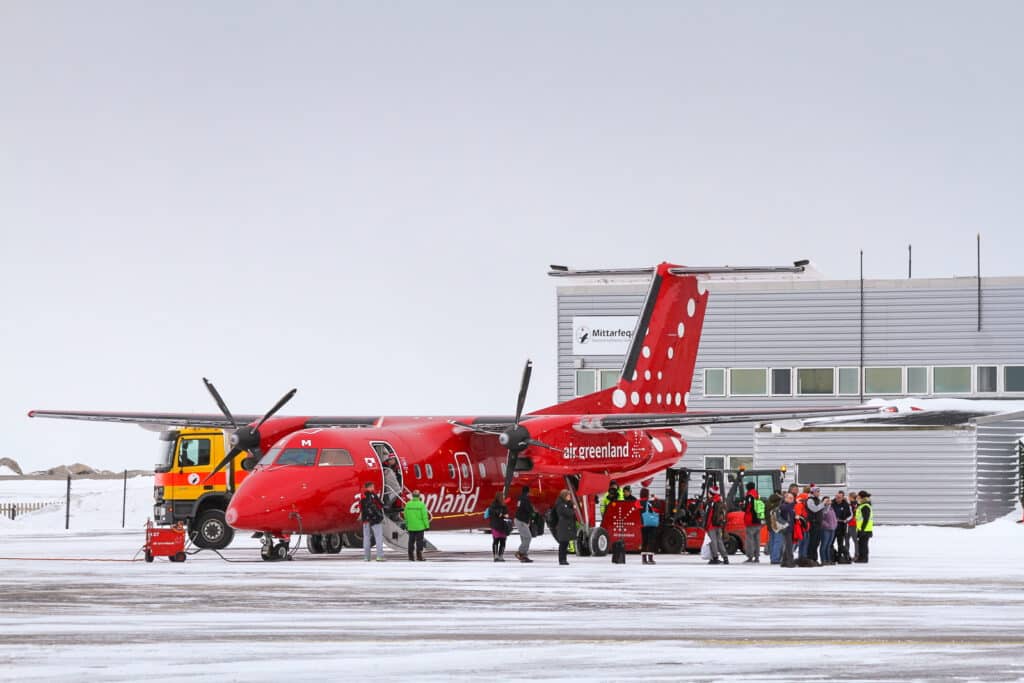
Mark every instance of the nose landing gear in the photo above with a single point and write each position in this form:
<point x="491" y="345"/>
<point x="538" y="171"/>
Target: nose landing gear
<point x="271" y="552"/>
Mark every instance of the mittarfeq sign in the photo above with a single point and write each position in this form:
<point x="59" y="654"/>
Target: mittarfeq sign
<point x="604" y="335"/>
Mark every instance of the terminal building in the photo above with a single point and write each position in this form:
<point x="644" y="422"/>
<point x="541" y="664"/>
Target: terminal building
<point x="807" y="341"/>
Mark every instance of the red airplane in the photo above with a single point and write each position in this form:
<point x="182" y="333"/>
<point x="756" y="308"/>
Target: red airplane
<point x="311" y="470"/>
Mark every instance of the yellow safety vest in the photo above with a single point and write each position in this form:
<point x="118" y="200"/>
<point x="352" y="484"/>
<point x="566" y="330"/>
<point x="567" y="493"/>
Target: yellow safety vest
<point x="861" y="526"/>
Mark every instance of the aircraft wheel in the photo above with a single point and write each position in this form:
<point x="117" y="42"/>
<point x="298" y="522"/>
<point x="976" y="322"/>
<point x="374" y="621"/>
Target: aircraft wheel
<point x="332" y="544"/>
<point x="353" y="539"/>
<point x="211" y="530"/>
<point x="267" y="552"/>
<point x="281" y="551"/>
<point x="672" y="540"/>
<point x="315" y="543"/>
<point x="599" y="542"/>
<point x="582" y="543"/>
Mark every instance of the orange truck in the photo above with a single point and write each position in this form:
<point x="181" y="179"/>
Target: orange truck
<point x="181" y="491"/>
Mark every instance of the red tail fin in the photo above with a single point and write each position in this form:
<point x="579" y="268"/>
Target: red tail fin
<point x="658" y="370"/>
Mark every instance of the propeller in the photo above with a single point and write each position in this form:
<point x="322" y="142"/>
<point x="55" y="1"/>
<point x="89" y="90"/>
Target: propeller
<point x="245" y="438"/>
<point x="517" y="438"/>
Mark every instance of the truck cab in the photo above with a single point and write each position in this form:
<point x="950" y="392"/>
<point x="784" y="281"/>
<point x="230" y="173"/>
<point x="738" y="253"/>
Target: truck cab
<point x="181" y="492"/>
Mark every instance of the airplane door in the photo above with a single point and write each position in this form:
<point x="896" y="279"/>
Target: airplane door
<point x="465" y="472"/>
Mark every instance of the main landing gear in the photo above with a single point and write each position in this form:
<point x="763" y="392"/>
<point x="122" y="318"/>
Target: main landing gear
<point x="272" y="552"/>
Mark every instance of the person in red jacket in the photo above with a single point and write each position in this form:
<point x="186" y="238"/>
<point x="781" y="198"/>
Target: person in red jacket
<point x="714" y="525"/>
<point x="753" y="518"/>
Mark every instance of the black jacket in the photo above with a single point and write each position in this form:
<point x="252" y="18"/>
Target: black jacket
<point x="371" y="509"/>
<point x="843" y="511"/>
<point x="524" y="508"/>
<point x="496" y="515"/>
<point x="566" y="521"/>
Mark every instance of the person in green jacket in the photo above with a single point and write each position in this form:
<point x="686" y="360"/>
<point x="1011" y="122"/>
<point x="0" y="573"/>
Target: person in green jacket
<point x="417" y="520"/>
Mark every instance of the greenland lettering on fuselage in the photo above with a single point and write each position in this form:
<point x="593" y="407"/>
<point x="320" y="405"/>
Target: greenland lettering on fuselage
<point x="601" y="452"/>
<point x="441" y="503"/>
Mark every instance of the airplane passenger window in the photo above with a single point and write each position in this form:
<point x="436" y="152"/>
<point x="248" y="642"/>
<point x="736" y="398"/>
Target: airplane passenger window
<point x="335" y="456"/>
<point x="416" y="471"/>
<point x="297" y="456"/>
<point x="465" y="469"/>
<point x="430" y="472"/>
<point x="451" y="470"/>
<point x="483" y="469"/>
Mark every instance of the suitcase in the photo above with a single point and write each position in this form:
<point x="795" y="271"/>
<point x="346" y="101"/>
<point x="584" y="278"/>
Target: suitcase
<point x="618" y="552"/>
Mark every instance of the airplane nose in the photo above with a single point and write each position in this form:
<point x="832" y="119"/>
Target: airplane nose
<point x="259" y="511"/>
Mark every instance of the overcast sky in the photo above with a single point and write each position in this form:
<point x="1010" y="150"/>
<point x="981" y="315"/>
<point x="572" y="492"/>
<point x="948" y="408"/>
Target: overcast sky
<point x="361" y="199"/>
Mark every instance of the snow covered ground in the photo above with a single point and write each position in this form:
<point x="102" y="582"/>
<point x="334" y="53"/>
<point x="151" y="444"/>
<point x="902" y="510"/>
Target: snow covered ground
<point x="934" y="604"/>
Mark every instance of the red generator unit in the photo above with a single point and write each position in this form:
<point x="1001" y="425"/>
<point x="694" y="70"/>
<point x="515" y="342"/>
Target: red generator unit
<point x="165" y="542"/>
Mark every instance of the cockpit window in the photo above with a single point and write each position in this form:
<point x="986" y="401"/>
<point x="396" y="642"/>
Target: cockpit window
<point x="297" y="456"/>
<point x="335" y="456"/>
<point x="269" y="457"/>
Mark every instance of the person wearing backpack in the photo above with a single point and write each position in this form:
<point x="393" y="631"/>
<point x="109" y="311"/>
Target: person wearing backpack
<point x="497" y="515"/>
<point x="753" y="518"/>
<point x="371" y="512"/>
<point x="650" y="518"/>
<point x="714" y="526"/>
<point x="786" y="516"/>
<point x="524" y="514"/>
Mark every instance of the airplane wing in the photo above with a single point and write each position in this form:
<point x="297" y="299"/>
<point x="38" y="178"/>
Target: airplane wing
<point x="214" y="420"/>
<point x="626" y="421"/>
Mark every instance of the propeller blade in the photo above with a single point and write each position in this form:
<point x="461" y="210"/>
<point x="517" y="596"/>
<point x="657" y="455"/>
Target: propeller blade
<point x="232" y="454"/>
<point x="220" y="402"/>
<point x="280" y="404"/>
<point x="510" y="470"/>
<point x="541" y="444"/>
<point x="473" y="428"/>
<point x="523" y="387"/>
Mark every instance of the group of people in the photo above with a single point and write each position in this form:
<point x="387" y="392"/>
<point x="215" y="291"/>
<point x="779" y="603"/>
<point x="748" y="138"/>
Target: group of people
<point x="804" y="528"/>
<point x="372" y="510"/>
<point x="808" y="529"/>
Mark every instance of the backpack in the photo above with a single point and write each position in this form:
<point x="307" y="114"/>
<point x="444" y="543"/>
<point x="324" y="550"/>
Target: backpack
<point x="718" y="517"/>
<point x="374" y="514"/>
<point x="758" y="510"/>
<point x="618" y="552"/>
<point x="776" y="524"/>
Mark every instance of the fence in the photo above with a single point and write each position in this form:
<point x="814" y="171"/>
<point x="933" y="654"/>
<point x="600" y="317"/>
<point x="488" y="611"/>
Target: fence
<point x="12" y="510"/>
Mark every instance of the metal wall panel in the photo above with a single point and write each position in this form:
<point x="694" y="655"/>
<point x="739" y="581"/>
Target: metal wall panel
<point x="915" y="475"/>
<point x="997" y="466"/>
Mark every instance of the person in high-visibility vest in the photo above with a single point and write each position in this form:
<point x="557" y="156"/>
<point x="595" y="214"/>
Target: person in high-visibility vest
<point x="865" y="525"/>
<point x="613" y="495"/>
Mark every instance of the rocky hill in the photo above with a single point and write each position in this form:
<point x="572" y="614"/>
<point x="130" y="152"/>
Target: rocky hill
<point x="11" y="464"/>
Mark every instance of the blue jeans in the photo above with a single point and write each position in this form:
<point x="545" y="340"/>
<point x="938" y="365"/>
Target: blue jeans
<point x="774" y="546"/>
<point x="827" y="536"/>
<point x="801" y="546"/>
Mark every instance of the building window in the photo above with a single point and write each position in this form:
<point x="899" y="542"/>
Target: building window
<point x="585" y="380"/>
<point x="714" y="462"/>
<point x="951" y="380"/>
<point x="609" y="378"/>
<point x="748" y="382"/>
<point x="917" y="380"/>
<point x="883" y="380"/>
<point x="782" y="382"/>
<point x="987" y="379"/>
<point x="815" y="381"/>
<point x="738" y="461"/>
<point x="714" y="382"/>
<point x="848" y="381"/>
<point x="821" y="473"/>
<point x="1013" y="378"/>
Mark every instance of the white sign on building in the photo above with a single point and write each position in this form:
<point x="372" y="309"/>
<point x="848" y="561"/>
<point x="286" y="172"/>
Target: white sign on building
<point x="602" y="335"/>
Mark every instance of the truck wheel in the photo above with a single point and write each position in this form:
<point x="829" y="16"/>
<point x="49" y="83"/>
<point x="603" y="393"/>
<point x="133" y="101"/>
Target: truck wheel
<point x="732" y="544"/>
<point x="149" y="556"/>
<point x="210" y="530"/>
<point x="316" y="544"/>
<point x="599" y="542"/>
<point x="672" y="540"/>
<point x="332" y="543"/>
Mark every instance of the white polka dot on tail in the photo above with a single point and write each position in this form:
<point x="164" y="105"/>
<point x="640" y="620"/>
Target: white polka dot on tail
<point x="681" y="329"/>
<point x="619" y="398"/>
<point x="646" y="351"/>
<point x="670" y="353"/>
<point x="635" y="398"/>
<point x="691" y="307"/>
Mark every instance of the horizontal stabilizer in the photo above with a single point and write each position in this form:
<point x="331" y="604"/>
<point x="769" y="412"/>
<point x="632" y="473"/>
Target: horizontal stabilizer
<point x="627" y="421"/>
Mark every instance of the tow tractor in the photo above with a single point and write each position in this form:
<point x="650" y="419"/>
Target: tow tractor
<point x="682" y="514"/>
